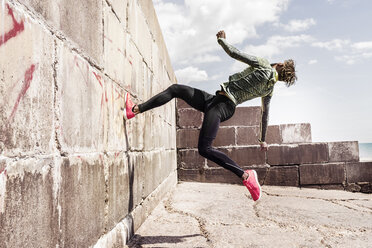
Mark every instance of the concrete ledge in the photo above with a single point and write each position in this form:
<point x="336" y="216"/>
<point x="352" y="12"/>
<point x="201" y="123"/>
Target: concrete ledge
<point x="359" y="172"/>
<point x="343" y="151"/>
<point x="283" y="155"/>
<point x="282" y="176"/>
<point x="312" y="153"/>
<point x="218" y="175"/>
<point x="245" y="117"/>
<point x="296" y="133"/>
<point x="332" y="173"/>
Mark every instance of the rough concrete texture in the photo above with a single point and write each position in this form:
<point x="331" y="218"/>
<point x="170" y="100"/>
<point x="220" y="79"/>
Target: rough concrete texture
<point x="220" y="215"/>
<point x="73" y="173"/>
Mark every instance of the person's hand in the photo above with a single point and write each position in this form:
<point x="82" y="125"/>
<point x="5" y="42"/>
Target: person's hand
<point x="264" y="146"/>
<point x="221" y="34"/>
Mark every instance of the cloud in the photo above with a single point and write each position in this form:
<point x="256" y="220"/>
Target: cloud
<point x="191" y="74"/>
<point x="276" y="44"/>
<point x="298" y="25"/>
<point x="312" y="61"/>
<point x="335" y="44"/>
<point x="366" y="45"/>
<point x="189" y="27"/>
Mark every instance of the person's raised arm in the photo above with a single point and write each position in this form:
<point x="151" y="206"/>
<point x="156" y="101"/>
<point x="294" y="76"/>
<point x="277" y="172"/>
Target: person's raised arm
<point x="234" y="52"/>
<point x="264" y="122"/>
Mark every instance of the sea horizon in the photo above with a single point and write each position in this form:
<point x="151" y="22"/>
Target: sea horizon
<point x="365" y="151"/>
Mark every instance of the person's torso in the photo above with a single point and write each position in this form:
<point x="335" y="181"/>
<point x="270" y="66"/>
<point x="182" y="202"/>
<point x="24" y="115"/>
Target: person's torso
<point x="251" y="83"/>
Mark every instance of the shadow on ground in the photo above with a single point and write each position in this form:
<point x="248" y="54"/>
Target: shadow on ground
<point x="137" y="240"/>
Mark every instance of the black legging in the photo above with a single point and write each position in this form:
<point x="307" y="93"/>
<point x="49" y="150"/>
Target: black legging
<point x="217" y="108"/>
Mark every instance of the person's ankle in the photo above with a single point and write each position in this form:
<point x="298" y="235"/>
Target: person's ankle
<point x="245" y="176"/>
<point x="135" y="109"/>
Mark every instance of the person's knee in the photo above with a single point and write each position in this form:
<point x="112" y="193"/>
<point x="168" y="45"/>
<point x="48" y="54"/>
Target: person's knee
<point x="203" y="150"/>
<point x="173" y="89"/>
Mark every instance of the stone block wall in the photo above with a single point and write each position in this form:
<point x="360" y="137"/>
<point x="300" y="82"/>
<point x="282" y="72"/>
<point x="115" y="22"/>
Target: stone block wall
<point x="291" y="160"/>
<point x="72" y="172"/>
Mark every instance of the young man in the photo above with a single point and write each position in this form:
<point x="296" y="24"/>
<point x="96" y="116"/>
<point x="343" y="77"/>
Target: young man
<point x="257" y="80"/>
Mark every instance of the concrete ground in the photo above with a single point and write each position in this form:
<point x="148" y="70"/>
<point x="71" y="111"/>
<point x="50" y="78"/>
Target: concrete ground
<point x="222" y="215"/>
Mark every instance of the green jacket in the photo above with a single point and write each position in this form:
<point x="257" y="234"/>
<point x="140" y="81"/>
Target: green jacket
<point x="257" y="80"/>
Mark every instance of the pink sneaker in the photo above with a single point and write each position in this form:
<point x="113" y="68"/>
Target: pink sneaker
<point x="253" y="185"/>
<point x="128" y="113"/>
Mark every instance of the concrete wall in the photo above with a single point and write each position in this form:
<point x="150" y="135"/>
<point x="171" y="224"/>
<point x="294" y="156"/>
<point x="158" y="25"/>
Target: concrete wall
<point x="72" y="172"/>
<point x="291" y="160"/>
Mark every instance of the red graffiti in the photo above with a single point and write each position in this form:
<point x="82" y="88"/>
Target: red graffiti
<point x="107" y="38"/>
<point x="98" y="78"/>
<point x="26" y="85"/>
<point x="123" y="53"/>
<point x="18" y="27"/>
<point x="3" y="171"/>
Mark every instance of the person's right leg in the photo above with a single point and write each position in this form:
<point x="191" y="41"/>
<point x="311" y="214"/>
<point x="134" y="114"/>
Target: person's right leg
<point x="194" y="97"/>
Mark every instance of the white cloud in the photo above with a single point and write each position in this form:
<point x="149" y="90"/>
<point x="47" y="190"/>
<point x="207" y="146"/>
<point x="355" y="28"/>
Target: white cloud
<point x="298" y="25"/>
<point x="276" y="44"/>
<point x="189" y="27"/>
<point x="335" y="44"/>
<point x="312" y="61"/>
<point x="191" y="74"/>
<point x="366" y="45"/>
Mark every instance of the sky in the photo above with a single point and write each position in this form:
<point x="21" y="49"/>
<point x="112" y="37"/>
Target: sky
<point x="330" y="40"/>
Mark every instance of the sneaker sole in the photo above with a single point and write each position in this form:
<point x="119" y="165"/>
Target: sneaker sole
<point x="256" y="178"/>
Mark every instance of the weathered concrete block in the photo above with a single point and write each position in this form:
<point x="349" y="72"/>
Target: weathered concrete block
<point x="139" y="30"/>
<point x="136" y="171"/>
<point x="330" y="173"/>
<point x="225" y="137"/>
<point x="243" y="156"/>
<point x="187" y="138"/>
<point x="296" y="133"/>
<point x="26" y="86"/>
<point x="247" y="135"/>
<point x="116" y="138"/>
<point x="117" y="179"/>
<point x="136" y="129"/>
<point x="245" y="116"/>
<point x="282" y="176"/>
<point x="313" y="153"/>
<point x="250" y="135"/>
<point x="221" y="175"/>
<point x="189" y="118"/>
<point x="82" y="200"/>
<point x="83" y="104"/>
<point x="133" y="69"/>
<point x="273" y="135"/>
<point x="190" y="159"/>
<point x="114" y="46"/>
<point x="283" y="155"/>
<point x="218" y="175"/>
<point x="359" y="172"/>
<point x="28" y="211"/>
<point x="81" y="21"/>
<point x="120" y="8"/>
<point x="343" y="151"/>
<point x="182" y="104"/>
<point x="190" y="175"/>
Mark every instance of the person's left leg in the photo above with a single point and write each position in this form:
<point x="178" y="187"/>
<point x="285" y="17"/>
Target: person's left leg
<point x="208" y="133"/>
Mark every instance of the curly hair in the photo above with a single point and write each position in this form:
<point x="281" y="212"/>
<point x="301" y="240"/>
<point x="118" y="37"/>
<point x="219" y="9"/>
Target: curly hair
<point x="288" y="72"/>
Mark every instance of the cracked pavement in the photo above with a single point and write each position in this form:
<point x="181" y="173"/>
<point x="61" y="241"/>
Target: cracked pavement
<point x="223" y="215"/>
